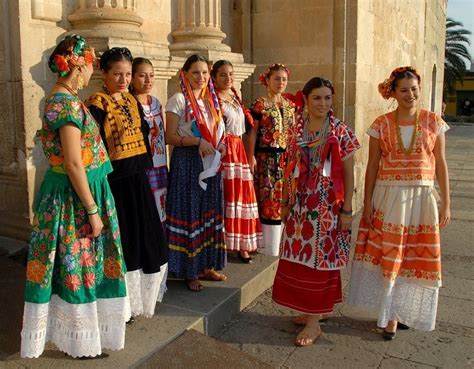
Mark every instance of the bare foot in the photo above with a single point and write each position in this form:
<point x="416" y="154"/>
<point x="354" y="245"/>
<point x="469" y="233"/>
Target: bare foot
<point x="193" y="285"/>
<point x="391" y="326"/>
<point x="300" y="319"/>
<point x="310" y="332"/>
<point x="244" y="254"/>
<point x="303" y="319"/>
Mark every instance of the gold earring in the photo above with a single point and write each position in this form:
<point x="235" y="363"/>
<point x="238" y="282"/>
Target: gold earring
<point x="80" y="81"/>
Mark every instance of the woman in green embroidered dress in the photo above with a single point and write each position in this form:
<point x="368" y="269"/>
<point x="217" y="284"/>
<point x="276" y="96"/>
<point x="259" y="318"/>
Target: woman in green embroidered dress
<point x="75" y="295"/>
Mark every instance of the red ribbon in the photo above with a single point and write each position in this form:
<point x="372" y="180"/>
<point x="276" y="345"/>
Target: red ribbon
<point x="337" y="168"/>
<point x="306" y="178"/>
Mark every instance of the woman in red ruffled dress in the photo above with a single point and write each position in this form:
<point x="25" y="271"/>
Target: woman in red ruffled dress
<point x="317" y="206"/>
<point x="243" y="231"/>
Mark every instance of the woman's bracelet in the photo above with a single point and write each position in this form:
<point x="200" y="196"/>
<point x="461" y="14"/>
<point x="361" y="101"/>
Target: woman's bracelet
<point x="92" y="209"/>
<point x="346" y="212"/>
<point x="181" y="141"/>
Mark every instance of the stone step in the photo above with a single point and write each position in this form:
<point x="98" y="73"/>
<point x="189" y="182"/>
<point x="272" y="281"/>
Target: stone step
<point x="193" y="350"/>
<point x="181" y="310"/>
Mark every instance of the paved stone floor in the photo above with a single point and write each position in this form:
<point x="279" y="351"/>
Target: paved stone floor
<point x="264" y="330"/>
<point x="351" y="340"/>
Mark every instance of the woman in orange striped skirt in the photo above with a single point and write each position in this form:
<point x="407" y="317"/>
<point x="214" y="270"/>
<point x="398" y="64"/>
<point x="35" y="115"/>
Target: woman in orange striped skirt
<point x="243" y="231"/>
<point x="397" y="267"/>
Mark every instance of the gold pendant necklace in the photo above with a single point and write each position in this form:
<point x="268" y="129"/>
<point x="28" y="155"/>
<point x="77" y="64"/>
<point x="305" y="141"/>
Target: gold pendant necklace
<point x="231" y="100"/>
<point x="68" y="88"/>
<point x="411" y="147"/>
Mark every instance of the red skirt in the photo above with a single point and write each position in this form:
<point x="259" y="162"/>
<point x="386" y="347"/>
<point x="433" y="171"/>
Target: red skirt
<point x="307" y="290"/>
<point x="243" y="230"/>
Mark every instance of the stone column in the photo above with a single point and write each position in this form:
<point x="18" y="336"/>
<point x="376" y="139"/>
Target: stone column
<point x="110" y="23"/>
<point x="107" y="18"/>
<point x="197" y="29"/>
<point x="198" y="26"/>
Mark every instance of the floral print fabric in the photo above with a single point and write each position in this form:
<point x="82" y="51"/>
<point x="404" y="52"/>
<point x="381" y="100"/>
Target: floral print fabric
<point x="62" y="258"/>
<point x="310" y="236"/>
<point x="274" y="124"/>
<point x="59" y="110"/>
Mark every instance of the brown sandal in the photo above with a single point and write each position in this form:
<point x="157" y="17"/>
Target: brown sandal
<point x="212" y="275"/>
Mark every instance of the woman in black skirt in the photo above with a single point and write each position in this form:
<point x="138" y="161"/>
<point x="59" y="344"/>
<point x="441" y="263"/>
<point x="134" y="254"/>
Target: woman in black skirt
<point x="123" y="130"/>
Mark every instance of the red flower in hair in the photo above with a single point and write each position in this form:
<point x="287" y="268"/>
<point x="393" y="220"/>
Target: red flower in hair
<point x="263" y="77"/>
<point x="61" y="63"/>
<point x="386" y="87"/>
<point x="89" y="56"/>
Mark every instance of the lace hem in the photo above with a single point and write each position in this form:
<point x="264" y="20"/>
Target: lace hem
<point x="236" y="241"/>
<point x="404" y="300"/>
<point x="241" y="211"/>
<point x="145" y="290"/>
<point x="237" y="171"/>
<point x="76" y="329"/>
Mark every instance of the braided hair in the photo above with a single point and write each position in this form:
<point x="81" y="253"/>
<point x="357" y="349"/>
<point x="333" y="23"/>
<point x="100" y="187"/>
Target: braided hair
<point x="113" y="55"/>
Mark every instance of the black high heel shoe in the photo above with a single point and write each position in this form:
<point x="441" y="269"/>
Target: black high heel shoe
<point x="388" y="336"/>
<point x="130" y="321"/>
<point x="402" y="326"/>
<point x="244" y="260"/>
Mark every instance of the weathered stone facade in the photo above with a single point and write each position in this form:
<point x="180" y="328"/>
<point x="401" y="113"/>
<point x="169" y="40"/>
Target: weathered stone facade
<point x="354" y="43"/>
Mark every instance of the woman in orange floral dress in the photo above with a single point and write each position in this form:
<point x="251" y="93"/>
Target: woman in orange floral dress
<point x="397" y="262"/>
<point x="274" y="115"/>
<point x="75" y="295"/>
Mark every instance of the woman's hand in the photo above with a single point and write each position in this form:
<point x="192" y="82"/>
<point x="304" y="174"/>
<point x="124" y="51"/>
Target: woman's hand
<point x="252" y="164"/>
<point x="368" y="214"/>
<point x="205" y="148"/>
<point x="96" y="224"/>
<point x="444" y="216"/>
<point x="222" y="149"/>
<point x="344" y="223"/>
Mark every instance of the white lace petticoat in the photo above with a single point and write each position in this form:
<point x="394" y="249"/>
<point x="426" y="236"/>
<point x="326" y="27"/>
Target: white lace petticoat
<point x="405" y="300"/>
<point x="144" y="290"/>
<point x="76" y="329"/>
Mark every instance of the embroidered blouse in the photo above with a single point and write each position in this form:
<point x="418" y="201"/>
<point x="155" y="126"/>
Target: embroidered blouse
<point x="312" y="238"/>
<point x="400" y="169"/>
<point x="123" y="129"/>
<point x="234" y="117"/>
<point x="274" y="123"/>
<point x="153" y="113"/>
<point x="177" y="104"/>
<point x="63" y="108"/>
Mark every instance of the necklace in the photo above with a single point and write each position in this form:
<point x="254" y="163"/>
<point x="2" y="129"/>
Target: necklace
<point x="231" y="100"/>
<point x="70" y="90"/>
<point x="410" y="148"/>
<point x="273" y="98"/>
<point x="314" y="140"/>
